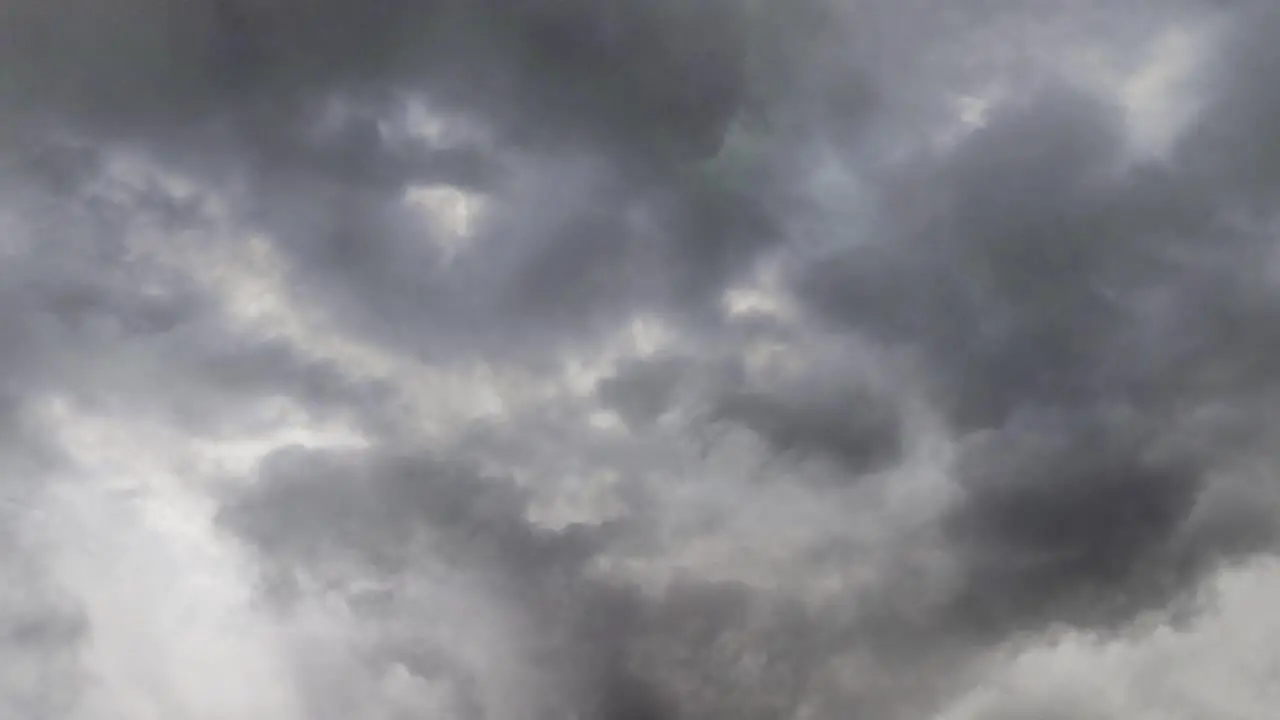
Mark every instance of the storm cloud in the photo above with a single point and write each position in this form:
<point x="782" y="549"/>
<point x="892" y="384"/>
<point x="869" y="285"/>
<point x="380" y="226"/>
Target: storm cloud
<point x="622" y="360"/>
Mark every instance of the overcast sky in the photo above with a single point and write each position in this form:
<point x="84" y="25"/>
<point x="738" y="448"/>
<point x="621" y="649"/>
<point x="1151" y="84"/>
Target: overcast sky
<point x="639" y="359"/>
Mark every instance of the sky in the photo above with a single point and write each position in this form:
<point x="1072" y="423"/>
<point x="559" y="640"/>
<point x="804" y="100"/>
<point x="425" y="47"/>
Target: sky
<point x="639" y="360"/>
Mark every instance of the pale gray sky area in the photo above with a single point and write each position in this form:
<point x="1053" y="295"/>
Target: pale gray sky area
<point x="639" y="359"/>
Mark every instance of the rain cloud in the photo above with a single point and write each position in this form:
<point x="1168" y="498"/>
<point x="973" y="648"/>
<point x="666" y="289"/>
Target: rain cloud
<point x="622" y="360"/>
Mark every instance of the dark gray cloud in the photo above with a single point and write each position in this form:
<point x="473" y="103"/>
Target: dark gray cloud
<point x="643" y="391"/>
<point x="859" y="428"/>
<point x="1076" y="308"/>
<point x="290" y="96"/>
<point x="343" y="516"/>
<point x="1002" y="376"/>
<point x="310" y="506"/>
<point x="1230" y="142"/>
<point x="1075" y="520"/>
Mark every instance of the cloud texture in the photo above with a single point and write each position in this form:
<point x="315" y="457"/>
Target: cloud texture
<point x="620" y="360"/>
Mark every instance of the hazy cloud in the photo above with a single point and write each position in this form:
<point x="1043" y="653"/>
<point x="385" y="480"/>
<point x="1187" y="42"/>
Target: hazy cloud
<point x="635" y="360"/>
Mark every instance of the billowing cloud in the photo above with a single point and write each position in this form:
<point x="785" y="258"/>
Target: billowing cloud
<point x="625" y="360"/>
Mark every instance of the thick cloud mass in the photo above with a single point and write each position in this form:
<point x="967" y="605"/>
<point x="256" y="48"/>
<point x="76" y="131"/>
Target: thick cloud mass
<point x="622" y="360"/>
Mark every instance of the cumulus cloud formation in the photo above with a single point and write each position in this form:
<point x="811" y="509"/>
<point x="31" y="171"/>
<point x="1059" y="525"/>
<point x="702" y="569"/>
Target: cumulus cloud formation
<point x="621" y="360"/>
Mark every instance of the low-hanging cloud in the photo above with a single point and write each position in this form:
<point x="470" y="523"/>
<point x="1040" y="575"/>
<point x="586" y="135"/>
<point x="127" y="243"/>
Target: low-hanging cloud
<point x="632" y="360"/>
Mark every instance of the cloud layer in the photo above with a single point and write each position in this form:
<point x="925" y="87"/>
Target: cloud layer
<point x="626" y="360"/>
